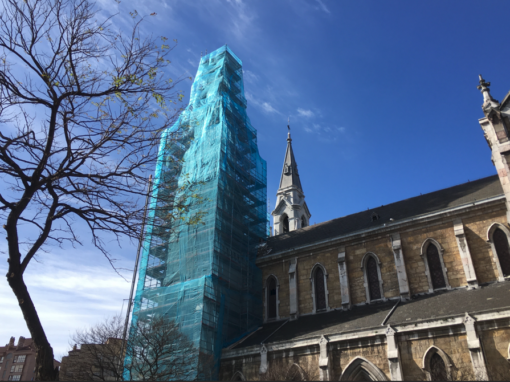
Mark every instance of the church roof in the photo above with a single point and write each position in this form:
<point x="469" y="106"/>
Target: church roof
<point x="435" y="201"/>
<point x="290" y="175"/>
<point x="437" y="306"/>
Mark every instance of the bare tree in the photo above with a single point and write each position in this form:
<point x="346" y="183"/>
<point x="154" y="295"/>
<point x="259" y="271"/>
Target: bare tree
<point x="81" y="109"/>
<point x="282" y="370"/>
<point x="157" y="350"/>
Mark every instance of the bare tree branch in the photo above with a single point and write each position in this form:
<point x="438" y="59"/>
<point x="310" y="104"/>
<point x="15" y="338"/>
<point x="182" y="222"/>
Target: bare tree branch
<point x="82" y="107"/>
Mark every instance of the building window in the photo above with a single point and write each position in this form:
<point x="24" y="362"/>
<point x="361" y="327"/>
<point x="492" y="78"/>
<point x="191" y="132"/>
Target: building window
<point x="373" y="279"/>
<point x="14" y="377"/>
<point x="16" y="368"/>
<point x="360" y="369"/>
<point x="432" y="255"/>
<point x="19" y="358"/>
<point x="319" y="277"/>
<point x="501" y="245"/>
<point x="271" y="298"/>
<point x="285" y="223"/>
<point x="303" y="222"/>
<point x="370" y="265"/>
<point x="437" y="365"/>
<point x="435" y="267"/>
<point x="320" y="291"/>
<point x="1" y="359"/>
<point x="437" y="368"/>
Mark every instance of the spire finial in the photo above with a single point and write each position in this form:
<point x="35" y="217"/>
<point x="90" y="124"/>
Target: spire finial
<point x="288" y="127"/>
<point x="484" y="88"/>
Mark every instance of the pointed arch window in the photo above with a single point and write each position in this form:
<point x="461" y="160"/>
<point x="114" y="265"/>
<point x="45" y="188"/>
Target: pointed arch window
<point x="437" y="365"/>
<point x="318" y="277"/>
<point x="272" y="287"/>
<point x="437" y="368"/>
<point x="320" y="291"/>
<point x="370" y="265"/>
<point x="432" y="255"/>
<point x="360" y="369"/>
<point x="435" y="268"/>
<point x="303" y="222"/>
<point x="502" y="250"/>
<point x="373" y="279"/>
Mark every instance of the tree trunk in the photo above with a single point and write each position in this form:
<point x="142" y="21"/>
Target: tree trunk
<point x="44" y="369"/>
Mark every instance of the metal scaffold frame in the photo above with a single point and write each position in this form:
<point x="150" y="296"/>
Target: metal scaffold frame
<point x="203" y="275"/>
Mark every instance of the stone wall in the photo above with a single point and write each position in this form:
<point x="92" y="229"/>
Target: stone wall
<point x="476" y="223"/>
<point x="412" y="352"/>
<point x="496" y="345"/>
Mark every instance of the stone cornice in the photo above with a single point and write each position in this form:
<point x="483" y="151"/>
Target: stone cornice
<point x="388" y="228"/>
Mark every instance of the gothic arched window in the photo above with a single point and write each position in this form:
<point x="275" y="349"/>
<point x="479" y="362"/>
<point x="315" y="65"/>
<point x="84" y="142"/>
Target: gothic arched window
<point x="272" y="298"/>
<point x="435" y="267"/>
<point x="285" y="224"/>
<point x="437" y="368"/>
<point x="432" y="255"/>
<point x="437" y="365"/>
<point x="303" y="222"/>
<point x="320" y="290"/>
<point x="502" y="250"/>
<point x="373" y="279"/>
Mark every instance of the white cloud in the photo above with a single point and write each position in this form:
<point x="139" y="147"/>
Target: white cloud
<point x="322" y="6"/>
<point x="268" y="108"/>
<point x="265" y="106"/>
<point x="71" y="290"/>
<point x="305" y="113"/>
<point x="250" y="76"/>
<point x="322" y="131"/>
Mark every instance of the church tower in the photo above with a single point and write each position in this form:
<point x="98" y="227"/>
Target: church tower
<point x="291" y="212"/>
<point x="496" y="125"/>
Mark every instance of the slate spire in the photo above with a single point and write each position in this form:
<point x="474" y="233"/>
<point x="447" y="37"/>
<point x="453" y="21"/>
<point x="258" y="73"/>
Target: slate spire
<point x="290" y="175"/>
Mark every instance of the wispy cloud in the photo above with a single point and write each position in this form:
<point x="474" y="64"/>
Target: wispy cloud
<point x="322" y="6"/>
<point x="264" y="105"/>
<point x="305" y="113"/>
<point x="322" y="131"/>
<point x="249" y="76"/>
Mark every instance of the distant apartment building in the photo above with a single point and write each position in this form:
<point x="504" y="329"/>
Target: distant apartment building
<point x="93" y="362"/>
<point x="17" y="361"/>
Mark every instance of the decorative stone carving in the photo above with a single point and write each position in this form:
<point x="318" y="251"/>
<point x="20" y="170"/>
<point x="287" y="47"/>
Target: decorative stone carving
<point x="263" y="360"/>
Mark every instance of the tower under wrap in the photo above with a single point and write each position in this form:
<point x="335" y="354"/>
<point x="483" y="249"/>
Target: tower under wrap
<point x="203" y="275"/>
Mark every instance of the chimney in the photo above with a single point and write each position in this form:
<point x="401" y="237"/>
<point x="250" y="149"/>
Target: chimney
<point x="21" y="342"/>
<point x="75" y="347"/>
<point x="11" y="343"/>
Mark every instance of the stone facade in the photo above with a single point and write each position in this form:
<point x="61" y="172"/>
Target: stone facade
<point x="415" y="290"/>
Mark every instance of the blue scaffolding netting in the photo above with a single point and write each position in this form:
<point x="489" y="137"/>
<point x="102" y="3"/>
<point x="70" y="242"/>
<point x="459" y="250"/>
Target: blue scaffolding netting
<point x="203" y="275"/>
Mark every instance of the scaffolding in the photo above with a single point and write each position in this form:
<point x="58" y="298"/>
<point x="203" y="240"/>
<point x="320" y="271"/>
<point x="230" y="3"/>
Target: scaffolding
<point x="203" y="275"/>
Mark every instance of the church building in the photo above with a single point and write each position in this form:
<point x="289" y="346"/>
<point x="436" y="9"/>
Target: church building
<point x="414" y="290"/>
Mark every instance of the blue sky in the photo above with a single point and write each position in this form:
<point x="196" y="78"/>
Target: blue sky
<point x="381" y="96"/>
